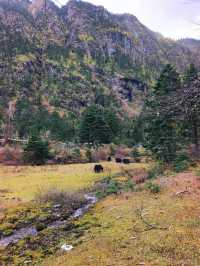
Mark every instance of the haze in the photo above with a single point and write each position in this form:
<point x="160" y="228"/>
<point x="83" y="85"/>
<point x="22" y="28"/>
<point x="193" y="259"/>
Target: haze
<point x="173" y="18"/>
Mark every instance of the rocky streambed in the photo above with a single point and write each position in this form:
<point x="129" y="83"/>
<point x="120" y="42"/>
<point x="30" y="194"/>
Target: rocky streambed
<point x="33" y="231"/>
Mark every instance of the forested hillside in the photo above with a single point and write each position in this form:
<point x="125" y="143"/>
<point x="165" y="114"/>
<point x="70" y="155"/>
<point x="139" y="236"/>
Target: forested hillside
<point x="55" y="62"/>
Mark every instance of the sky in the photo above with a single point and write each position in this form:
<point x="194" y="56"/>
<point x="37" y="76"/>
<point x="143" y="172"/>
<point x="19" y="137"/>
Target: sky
<point x="175" y="19"/>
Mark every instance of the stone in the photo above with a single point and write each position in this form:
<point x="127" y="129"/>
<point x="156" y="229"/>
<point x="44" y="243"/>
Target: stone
<point x="66" y="247"/>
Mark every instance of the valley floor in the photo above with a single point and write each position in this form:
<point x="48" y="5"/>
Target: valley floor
<point x="22" y="183"/>
<point x="141" y="228"/>
<point x="132" y="228"/>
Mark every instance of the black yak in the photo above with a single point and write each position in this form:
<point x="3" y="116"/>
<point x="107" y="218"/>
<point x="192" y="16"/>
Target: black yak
<point x="118" y="160"/>
<point x="126" y="161"/>
<point x="98" y="168"/>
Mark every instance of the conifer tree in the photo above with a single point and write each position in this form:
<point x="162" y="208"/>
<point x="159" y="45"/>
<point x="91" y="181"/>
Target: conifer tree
<point x="98" y="126"/>
<point x="36" y="151"/>
<point x="190" y="103"/>
<point x="161" y="129"/>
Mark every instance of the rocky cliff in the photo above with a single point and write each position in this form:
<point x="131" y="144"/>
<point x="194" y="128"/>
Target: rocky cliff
<point x="70" y="57"/>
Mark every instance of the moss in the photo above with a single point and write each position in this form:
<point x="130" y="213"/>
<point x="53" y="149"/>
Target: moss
<point x="6" y="228"/>
<point x="7" y="232"/>
<point x="40" y="226"/>
<point x="5" y="258"/>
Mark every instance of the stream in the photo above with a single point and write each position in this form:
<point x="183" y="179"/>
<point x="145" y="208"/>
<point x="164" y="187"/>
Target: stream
<point x="32" y="231"/>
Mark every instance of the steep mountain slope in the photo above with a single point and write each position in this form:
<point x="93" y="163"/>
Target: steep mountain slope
<point x="69" y="57"/>
<point x="192" y="44"/>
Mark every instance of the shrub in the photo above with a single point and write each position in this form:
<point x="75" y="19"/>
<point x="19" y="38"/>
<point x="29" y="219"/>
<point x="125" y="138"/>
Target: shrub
<point x="181" y="163"/>
<point x="107" y="186"/>
<point x="112" y="149"/>
<point x="64" y="198"/>
<point x="153" y="188"/>
<point x="129" y="185"/>
<point x="135" y="153"/>
<point x="157" y="170"/>
<point x="88" y="155"/>
<point x="76" y="154"/>
<point x="113" y="187"/>
<point x="100" y="154"/>
<point x="10" y="154"/>
<point x="122" y="151"/>
<point x="36" y="151"/>
<point x="181" y="166"/>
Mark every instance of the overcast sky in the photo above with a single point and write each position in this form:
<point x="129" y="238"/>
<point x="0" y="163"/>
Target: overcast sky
<point x="173" y="18"/>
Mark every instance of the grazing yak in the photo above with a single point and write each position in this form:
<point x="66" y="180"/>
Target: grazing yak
<point x="98" y="168"/>
<point x="118" y="160"/>
<point x="126" y="161"/>
<point x="109" y="159"/>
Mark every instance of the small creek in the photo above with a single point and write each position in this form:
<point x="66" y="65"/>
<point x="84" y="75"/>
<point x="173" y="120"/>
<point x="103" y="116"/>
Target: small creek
<point x="32" y="231"/>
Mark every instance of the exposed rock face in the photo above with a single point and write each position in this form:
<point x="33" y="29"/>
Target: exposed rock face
<point x="193" y="45"/>
<point x="80" y="53"/>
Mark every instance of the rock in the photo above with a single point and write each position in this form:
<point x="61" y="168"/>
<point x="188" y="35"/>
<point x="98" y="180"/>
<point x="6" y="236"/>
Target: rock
<point x="27" y="261"/>
<point x="133" y="237"/>
<point x="57" y="206"/>
<point x="66" y="247"/>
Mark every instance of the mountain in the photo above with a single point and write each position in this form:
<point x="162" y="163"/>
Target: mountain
<point x="67" y="58"/>
<point x="192" y="44"/>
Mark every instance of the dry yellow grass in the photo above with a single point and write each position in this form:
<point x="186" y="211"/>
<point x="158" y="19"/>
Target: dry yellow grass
<point x="24" y="182"/>
<point x="116" y="235"/>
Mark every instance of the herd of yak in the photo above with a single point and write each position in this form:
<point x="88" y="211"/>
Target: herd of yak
<point x="98" y="168"/>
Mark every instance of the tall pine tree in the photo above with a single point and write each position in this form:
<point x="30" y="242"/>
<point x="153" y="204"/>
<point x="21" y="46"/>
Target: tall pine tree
<point x="190" y="104"/>
<point x="161" y="130"/>
<point x="98" y="126"/>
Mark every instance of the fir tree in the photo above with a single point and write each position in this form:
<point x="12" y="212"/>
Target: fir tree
<point x="161" y="129"/>
<point x="190" y="104"/>
<point x="36" y="151"/>
<point x="97" y="126"/>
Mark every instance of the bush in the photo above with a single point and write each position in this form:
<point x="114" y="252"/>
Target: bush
<point x="153" y="188"/>
<point x="88" y="155"/>
<point x="107" y="186"/>
<point x="181" y="166"/>
<point x="129" y="185"/>
<point x="63" y="198"/>
<point x="76" y="154"/>
<point x="36" y="151"/>
<point x="101" y="154"/>
<point x="157" y="170"/>
<point x="113" y="187"/>
<point x="182" y="163"/>
<point x="11" y="155"/>
<point x="122" y="152"/>
<point x="135" y="153"/>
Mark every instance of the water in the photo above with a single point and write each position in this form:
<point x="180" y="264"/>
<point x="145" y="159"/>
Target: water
<point x="18" y="235"/>
<point x="79" y="212"/>
<point x="32" y="231"/>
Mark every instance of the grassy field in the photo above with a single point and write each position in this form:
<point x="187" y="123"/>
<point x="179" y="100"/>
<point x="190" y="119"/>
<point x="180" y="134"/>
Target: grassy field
<point x="168" y="234"/>
<point x="24" y="182"/>
<point x="132" y="228"/>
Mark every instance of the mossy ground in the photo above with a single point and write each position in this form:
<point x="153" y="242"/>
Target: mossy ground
<point x="116" y="235"/>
